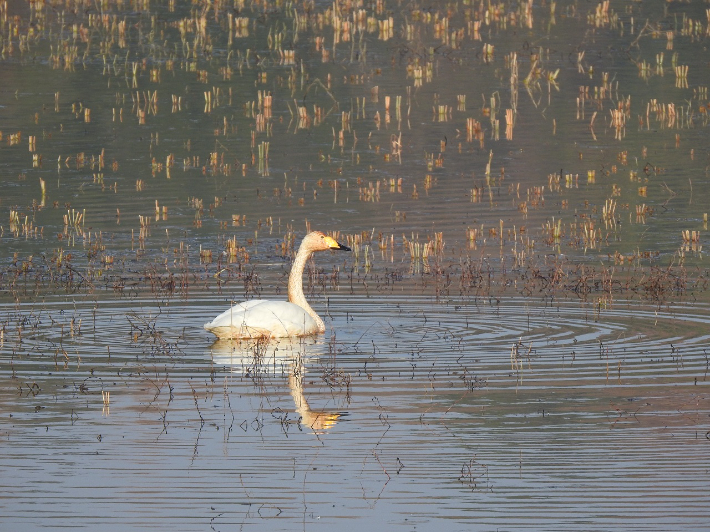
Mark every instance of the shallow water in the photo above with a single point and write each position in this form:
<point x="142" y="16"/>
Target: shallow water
<point x="415" y="413"/>
<point x="511" y="378"/>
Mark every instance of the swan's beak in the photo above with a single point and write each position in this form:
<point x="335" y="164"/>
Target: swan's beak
<point x="334" y="244"/>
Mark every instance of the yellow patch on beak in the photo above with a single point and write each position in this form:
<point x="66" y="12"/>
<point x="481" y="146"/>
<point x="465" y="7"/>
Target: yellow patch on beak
<point x="332" y="243"/>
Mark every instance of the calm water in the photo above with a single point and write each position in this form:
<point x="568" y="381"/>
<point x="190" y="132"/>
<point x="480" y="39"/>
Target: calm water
<point x="518" y="377"/>
<point x="598" y="424"/>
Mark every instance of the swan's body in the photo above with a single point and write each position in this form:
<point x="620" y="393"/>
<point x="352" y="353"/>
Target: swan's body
<point x="262" y="318"/>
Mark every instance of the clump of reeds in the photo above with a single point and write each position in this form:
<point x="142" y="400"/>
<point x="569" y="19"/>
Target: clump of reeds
<point x="691" y="237"/>
<point x="205" y="255"/>
<point x="234" y="252"/>
<point x="74" y="218"/>
<point x="553" y="230"/>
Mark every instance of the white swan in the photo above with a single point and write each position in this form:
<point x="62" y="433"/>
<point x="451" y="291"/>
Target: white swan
<point x="261" y="318"/>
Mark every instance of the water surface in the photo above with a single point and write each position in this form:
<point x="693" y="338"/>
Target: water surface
<point x="518" y="341"/>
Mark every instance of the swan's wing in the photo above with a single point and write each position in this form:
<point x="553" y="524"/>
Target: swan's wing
<point x="259" y="318"/>
<point x="234" y="314"/>
<point x="282" y="319"/>
<point x="246" y="305"/>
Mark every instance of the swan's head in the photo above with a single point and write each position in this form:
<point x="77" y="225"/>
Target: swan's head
<point x="317" y="241"/>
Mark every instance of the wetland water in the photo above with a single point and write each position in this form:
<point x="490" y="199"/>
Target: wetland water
<point x="519" y="339"/>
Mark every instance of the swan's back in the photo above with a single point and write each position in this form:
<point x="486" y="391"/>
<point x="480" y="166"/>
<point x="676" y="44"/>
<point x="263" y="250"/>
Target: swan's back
<point x="260" y="318"/>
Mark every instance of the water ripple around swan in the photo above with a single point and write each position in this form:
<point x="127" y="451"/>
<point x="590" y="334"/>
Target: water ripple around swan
<point x="496" y="412"/>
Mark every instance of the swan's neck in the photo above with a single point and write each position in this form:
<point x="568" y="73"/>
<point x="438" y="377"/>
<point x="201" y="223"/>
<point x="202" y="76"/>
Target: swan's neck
<point x="295" y="286"/>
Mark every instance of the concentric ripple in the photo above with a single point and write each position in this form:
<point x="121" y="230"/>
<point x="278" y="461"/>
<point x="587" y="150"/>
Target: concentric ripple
<point x="480" y="412"/>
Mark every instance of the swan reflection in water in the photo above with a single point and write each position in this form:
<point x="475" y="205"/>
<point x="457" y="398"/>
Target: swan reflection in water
<point x="270" y="357"/>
